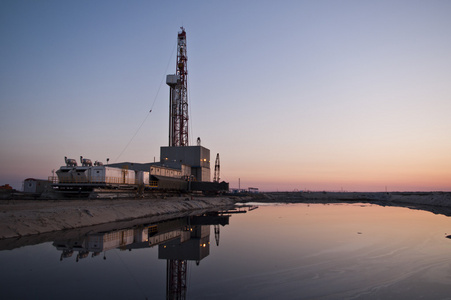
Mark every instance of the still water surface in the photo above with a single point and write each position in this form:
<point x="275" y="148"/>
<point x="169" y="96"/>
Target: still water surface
<point x="278" y="251"/>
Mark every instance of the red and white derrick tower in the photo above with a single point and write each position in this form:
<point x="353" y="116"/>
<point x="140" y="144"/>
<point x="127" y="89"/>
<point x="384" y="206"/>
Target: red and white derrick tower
<point x="178" y="96"/>
<point x="176" y="279"/>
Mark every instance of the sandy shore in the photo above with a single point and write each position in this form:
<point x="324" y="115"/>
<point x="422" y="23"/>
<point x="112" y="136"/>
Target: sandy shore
<point x="28" y="217"/>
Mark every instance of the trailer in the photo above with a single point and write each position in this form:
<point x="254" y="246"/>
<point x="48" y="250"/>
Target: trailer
<point x="112" y="176"/>
<point x="84" y="178"/>
<point x="94" y="176"/>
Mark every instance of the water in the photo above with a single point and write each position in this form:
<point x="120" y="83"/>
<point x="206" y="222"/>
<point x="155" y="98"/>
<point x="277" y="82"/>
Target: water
<point x="295" y="251"/>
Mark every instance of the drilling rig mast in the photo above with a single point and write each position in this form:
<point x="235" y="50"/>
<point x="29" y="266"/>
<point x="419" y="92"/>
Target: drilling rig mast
<point x="178" y="96"/>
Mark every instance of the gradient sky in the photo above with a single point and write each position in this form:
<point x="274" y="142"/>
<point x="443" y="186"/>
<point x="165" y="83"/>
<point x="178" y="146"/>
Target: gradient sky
<point x="316" y="95"/>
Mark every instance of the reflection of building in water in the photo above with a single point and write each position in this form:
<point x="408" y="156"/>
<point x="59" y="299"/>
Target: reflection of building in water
<point x="194" y="245"/>
<point x="97" y="242"/>
<point x="172" y="233"/>
<point x="191" y="245"/>
<point x="180" y="240"/>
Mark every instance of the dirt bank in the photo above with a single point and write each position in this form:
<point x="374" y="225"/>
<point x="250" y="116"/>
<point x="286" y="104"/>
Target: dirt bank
<point x="27" y="217"/>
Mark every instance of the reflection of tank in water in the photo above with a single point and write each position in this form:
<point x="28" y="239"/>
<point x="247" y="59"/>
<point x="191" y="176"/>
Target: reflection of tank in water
<point x="82" y="254"/>
<point x="180" y="240"/>
<point x="177" y="235"/>
<point x="66" y="253"/>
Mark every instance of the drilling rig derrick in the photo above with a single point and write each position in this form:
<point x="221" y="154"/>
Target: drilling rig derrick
<point x="178" y="96"/>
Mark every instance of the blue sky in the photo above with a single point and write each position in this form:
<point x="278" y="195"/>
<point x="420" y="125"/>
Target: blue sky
<point x="320" y="95"/>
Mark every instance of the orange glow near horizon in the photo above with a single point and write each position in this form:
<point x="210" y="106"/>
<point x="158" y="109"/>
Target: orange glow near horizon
<point x="411" y="166"/>
<point x="355" y="178"/>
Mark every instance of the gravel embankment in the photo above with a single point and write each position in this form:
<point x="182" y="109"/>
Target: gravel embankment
<point x="28" y="217"/>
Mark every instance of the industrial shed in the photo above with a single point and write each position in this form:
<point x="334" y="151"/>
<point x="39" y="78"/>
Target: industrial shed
<point x="36" y="186"/>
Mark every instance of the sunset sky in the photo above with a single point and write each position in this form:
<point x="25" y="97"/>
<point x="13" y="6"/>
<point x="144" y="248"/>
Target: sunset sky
<point x="294" y="95"/>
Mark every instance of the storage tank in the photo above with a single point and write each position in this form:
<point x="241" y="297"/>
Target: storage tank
<point x="64" y="175"/>
<point x="142" y="178"/>
<point x="81" y="174"/>
<point x="111" y="176"/>
<point x="128" y="176"/>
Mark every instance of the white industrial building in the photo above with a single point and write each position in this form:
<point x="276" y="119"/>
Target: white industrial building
<point x="196" y="157"/>
<point x="32" y="185"/>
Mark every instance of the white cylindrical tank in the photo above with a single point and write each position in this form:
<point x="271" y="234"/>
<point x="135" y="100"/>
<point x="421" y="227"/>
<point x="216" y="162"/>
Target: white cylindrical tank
<point x="142" y="178"/>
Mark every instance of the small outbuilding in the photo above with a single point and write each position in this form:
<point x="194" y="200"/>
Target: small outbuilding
<point x="36" y="186"/>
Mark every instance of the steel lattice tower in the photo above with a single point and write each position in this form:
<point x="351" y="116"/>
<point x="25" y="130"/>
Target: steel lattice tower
<point x="178" y="96"/>
<point x="176" y="279"/>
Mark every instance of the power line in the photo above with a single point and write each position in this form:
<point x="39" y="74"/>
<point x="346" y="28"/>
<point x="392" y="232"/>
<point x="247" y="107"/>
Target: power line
<point x="151" y="107"/>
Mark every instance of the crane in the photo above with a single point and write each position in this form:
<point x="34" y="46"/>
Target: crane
<point x="217" y="167"/>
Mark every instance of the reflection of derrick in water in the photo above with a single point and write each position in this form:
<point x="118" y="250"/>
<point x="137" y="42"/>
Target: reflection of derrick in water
<point x="176" y="278"/>
<point x="180" y="240"/>
<point x="192" y="245"/>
